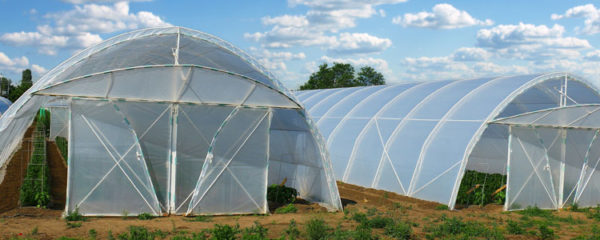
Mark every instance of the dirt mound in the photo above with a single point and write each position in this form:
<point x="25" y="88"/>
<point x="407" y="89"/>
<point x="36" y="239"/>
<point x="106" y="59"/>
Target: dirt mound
<point x="58" y="176"/>
<point x="15" y="172"/>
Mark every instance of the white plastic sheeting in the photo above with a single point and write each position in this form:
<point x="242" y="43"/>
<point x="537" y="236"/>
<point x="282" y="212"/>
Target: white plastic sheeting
<point x="554" y="156"/>
<point x="174" y="121"/>
<point x="417" y="139"/>
<point x="4" y="104"/>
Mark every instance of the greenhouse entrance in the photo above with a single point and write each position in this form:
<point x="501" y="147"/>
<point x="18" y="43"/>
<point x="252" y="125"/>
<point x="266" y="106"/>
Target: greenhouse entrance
<point x="152" y="156"/>
<point x="553" y="158"/>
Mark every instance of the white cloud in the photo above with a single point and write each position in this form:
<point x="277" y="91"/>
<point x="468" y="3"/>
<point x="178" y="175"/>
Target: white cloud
<point x="470" y="54"/>
<point x="286" y="20"/>
<point x="100" y="1"/>
<point x="80" y="27"/>
<point x="593" y="55"/>
<point x="530" y="42"/>
<point x="17" y="64"/>
<point x="589" y="12"/>
<point x="314" y="28"/>
<point x="37" y="69"/>
<point x="503" y="36"/>
<point x="360" y="43"/>
<point x="442" y="16"/>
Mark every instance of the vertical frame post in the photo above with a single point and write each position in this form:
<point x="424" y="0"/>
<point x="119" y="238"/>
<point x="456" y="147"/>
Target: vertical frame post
<point x="506" y="198"/>
<point x="173" y="160"/>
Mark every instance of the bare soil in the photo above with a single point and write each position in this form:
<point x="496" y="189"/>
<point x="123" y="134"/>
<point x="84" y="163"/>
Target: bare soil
<point x="15" y="172"/>
<point x="50" y="225"/>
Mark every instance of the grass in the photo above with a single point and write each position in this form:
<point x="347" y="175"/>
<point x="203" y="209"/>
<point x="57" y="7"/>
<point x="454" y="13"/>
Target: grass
<point x="75" y="216"/>
<point x="290" y="208"/>
<point x="441" y="207"/>
<point x="145" y="216"/>
<point x="455" y="227"/>
<point x="317" y="229"/>
<point x="200" y="218"/>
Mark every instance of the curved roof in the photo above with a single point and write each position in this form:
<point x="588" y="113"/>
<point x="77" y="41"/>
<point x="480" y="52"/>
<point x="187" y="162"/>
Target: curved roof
<point x="4" y="104"/>
<point x="584" y="116"/>
<point x="417" y="138"/>
<point x="119" y="68"/>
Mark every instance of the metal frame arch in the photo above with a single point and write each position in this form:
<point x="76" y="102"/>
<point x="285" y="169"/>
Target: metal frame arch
<point x="434" y="132"/>
<point x="345" y="117"/>
<point x="537" y="78"/>
<point x="360" y="137"/>
<point x="338" y="104"/>
<point x="340" y="91"/>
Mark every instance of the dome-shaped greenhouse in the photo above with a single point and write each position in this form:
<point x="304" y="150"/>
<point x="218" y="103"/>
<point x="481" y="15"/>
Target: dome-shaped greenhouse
<point x="418" y="139"/>
<point x="173" y="121"/>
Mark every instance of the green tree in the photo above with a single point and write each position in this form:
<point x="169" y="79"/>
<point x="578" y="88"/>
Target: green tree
<point x="368" y="76"/>
<point x="26" y="78"/>
<point x="342" y="75"/>
<point x="5" y="86"/>
<point x="25" y="84"/>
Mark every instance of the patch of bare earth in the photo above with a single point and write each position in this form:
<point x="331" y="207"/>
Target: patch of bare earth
<point x="50" y="225"/>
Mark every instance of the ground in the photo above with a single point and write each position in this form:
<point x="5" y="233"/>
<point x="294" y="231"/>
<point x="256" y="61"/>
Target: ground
<point x="421" y="215"/>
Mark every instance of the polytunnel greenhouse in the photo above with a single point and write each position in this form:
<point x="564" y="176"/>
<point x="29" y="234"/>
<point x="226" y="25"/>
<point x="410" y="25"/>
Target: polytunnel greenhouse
<point x="173" y="121"/>
<point x="4" y="104"/>
<point x="418" y="139"/>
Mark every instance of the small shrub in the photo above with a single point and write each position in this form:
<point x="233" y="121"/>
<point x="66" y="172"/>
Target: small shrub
<point x="292" y="231"/>
<point x="136" y="233"/>
<point x="441" y="207"/>
<point x="371" y="211"/>
<point x="290" y="208"/>
<point x="281" y="194"/>
<point x="200" y="218"/>
<point x="93" y="234"/>
<point x="124" y="214"/>
<point x="145" y="216"/>
<point x="73" y="224"/>
<point x="362" y="232"/>
<point x="341" y="234"/>
<point x="66" y="238"/>
<point x="399" y="230"/>
<point x="74" y="216"/>
<point x="256" y="232"/>
<point x="360" y="217"/>
<point x="225" y="232"/>
<point x="536" y="212"/>
<point x="380" y="222"/>
<point x="34" y="231"/>
<point x="317" y="229"/>
<point x="545" y="232"/>
<point x="514" y="228"/>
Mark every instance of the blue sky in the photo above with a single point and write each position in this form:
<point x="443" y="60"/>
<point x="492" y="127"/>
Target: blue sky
<point x="407" y="40"/>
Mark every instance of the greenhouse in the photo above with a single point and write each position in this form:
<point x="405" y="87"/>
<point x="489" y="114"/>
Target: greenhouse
<point x="4" y="104"/>
<point x="173" y="121"/>
<point x="419" y="139"/>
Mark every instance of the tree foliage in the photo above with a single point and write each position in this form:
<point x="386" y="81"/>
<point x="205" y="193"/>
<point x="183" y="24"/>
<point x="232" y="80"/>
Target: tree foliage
<point x="342" y="75"/>
<point x="13" y="92"/>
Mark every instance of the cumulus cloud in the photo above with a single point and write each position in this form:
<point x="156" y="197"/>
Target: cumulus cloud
<point x="442" y="16"/>
<point x="100" y="1"/>
<point x="593" y="55"/>
<point x="470" y="54"/>
<point x="360" y="43"/>
<point x="37" y="69"/>
<point x="18" y="64"/>
<point x="80" y="27"/>
<point x="530" y="42"/>
<point x="589" y="12"/>
<point x="318" y="25"/>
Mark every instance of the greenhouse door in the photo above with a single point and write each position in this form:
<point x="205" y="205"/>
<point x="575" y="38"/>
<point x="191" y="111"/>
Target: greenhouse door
<point x="107" y="173"/>
<point x="234" y="176"/>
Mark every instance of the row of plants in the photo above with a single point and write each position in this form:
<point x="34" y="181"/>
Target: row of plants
<point x="479" y="188"/>
<point x="35" y="190"/>
<point x="63" y="147"/>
